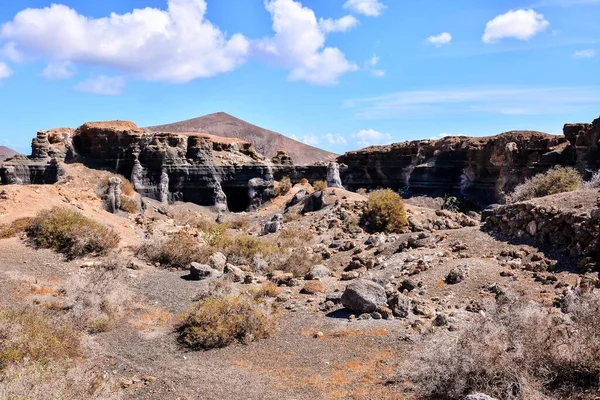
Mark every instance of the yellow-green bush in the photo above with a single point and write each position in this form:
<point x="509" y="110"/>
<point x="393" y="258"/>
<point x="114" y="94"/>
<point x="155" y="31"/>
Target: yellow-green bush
<point x="178" y="250"/>
<point x="384" y="212"/>
<point x="72" y="233"/>
<point x="285" y="185"/>
<point x="30" y="334"/>
<point x="320" y="185"/>
<point x="128" y="205"/>
<point x="220" y="321"/>
<point x="555" y="180"/>
<point x="15" y="228"/>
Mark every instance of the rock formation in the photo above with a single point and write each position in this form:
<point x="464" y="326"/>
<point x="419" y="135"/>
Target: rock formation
<point x="333" y="175"/>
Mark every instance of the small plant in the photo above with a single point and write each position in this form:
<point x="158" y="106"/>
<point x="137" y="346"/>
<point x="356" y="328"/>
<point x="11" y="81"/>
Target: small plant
<point x="240" y="223"/>
<point x="555" y="180"/>
<point x="71" y="233"/>
<point x="128" y="205"/>
<point x="384" y="212"/>
<point x="220" y="321"/>
<point x="285" y="185"/>
<point x="450" y="204"/>
<point x="178" y="250"/>
<point x="242" y="249"/>
<point x="102" y="323"/>
<point x="267" y="289"/>
<point x="15" y="228"/>
<point x="320" y="185"/>
<point x="362" y="191"/>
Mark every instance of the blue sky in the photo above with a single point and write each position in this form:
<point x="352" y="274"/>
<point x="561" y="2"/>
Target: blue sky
<point x="338" y="74"/>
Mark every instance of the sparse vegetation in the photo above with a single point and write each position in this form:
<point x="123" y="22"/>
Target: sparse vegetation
<point x="384" y="212"/>
<point x="320" y="185"/>
<point x="285" y="185"/>
<point x="362" y="191"/>
<point x="71" y="233"/>
<point x="178" y="250"/>
<point x="240" y="223"/>
<point x="220" y="321"/>
<point x="517" y="352"/>
<point x="267" y="289"/>
<point x="556" y="180"/>
<point x="29" y="334"/>
<point x="15" y="228"/>
<point x="127" y="188"/>
<point x="128" y="205"/>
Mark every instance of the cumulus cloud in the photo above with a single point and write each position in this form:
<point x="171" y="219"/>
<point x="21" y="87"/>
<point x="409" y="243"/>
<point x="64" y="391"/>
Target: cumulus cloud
<point x="369" y="137"/>
<point x="440" y="40"/>
<point x="56" y="70"/>
<point x="370" y="8"/>
<point x="335" y="139"/>
<point x="343" y="24"/>
<point x="102" y="85"/>
<point x="173" y="45"/>
<point x="371" y="66"/>
<point x="5" y="72"/>
<point x="299" y="44"/>
<point x="588" y="53"/>
<point x="518" y="24"/>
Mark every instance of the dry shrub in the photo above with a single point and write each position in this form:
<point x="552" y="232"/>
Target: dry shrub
<point x="285" y="185"/>
<point x="295" y="237"/>
<point x="220" y="321"/>
<point x="555" y="180"/>
<point x="385" y="212"/>
<point x="70" y="232"/>
<point x="291" y="216"/>
<point x="516" y="352"/>
<point x="239" y="223"/>
<point x="320" y="185"/>
<point x="362" y="191"/>
<point x="267" y="289"/>
<point x="242" y="249"/>
<point x="15" y="228"/>
<point x="178" y="250"/>
<point x="194" y="220"/>
<point x="297" y="261"/>
<point x="29" y="334"/>
<point x="127" y="188"/>
<point x="129" y="205"/>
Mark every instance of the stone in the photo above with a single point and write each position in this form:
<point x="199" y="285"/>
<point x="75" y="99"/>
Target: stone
<point x="199" y="272"/>
<point x="236" y="273"/>
<point x="217" y="261"/>
<point x="440" y="320"/>
<point x="296" y="199"/>
<point x="531" y="228"/>
<point x="313" y="287"/>
<point x="376" y="240"/>
<point x="349" y="275"/>
<point x="335" y="297"/>
<point x="400" y="305"/>
<point x="424" y="309"/>
<point x="318" y="272"/>
<point x="333" y="175"/>
<point x="457" y="275"/>
<point x="113" y="195"/>
<point x="409" y="285"/>
<point x="314" y="202"/>
<point x="364" y="296"/>
<point x="271" y="227"/>
<point x="479" y="396"/>
<point x="385" y="312"/>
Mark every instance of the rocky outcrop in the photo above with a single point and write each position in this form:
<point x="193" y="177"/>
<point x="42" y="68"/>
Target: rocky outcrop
<point x="333" y="175"/>
<point x="480" y="168"/>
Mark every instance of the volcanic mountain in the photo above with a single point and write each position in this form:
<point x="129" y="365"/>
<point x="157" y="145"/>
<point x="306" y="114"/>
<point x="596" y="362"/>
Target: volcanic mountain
<point x="5" y="153"/>
<point x="265" y="141"/>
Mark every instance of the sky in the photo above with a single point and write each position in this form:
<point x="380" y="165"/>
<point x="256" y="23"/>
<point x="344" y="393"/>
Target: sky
<point x="337" y="74"/>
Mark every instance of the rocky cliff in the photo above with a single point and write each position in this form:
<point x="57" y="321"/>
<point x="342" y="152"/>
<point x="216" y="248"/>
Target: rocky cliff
<point x="477" y="168"/>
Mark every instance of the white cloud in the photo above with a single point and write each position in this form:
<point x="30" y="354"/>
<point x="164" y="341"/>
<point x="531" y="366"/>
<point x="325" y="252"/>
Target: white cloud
<point x="518" y="24"/>
<point x="299" y="44"/>
<point x="311" y="140"/>
<point x="56" y="70"/>
<point x="5" y="72"/>
<point x="369" y="137"/>
<point x="371" y="66"/>
<point x="478" y="99"/>
<point x="370" y="8"/>
<point x="173" y="45"/>
<point x="102" y="85"/>
<point x="440" y="40"/>
<point x="343" y="24"/>
<point x="335" y="139"/>
<point x="588" y="53"/>
<point x="441" y="136"/>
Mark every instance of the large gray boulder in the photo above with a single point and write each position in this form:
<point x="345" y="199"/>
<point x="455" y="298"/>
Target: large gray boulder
<point x="364" y="296"/>
<point x="199" y="272"/>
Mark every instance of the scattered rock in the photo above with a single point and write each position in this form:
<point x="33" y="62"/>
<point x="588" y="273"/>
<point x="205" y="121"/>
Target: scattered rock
<point x="457" y="275"/>
<point x="318" y="272"/>
<point x="364" y="296"/>
<point x="217" y="261"/>
<point x="400" y="305"/>
<point x="313" y="287"/>
<point x="200" y="271"/>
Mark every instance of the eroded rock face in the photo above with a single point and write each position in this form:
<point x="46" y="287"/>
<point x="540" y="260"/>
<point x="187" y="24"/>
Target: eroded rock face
<point x="333" y="175"/>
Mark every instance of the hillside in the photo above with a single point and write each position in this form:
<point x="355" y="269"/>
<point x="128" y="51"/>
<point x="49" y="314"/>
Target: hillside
<point x="265" y="141"/>
<point x="5" y="153"/>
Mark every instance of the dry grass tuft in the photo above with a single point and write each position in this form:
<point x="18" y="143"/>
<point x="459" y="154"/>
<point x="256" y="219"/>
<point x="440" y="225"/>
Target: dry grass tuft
<point x="129" y="205"/>
<point x="267" y="289"/>
<point x="320" y="186"/>
<point x="385" y="212"/>
<point x="220" y="321"/>
<point x="555" y="180"/>
<point x="71" y="233"/>
<point x="15" y="228"/>
<point x="285" y="185"/>
<point x="178" y="250"/>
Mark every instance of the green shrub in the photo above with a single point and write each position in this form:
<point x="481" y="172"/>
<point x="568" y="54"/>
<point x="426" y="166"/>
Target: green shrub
<point x="555" y="180"/>
<point x="384" y="212"/>
<point x="178" y="250"/>
<point x="220" y="321"/>
<point x="72" y="233"/>
<point x="30" y="334"/>
<point x="242" y="249"/>
<point x="15" y="228"/>
<point x="320" y="185"/>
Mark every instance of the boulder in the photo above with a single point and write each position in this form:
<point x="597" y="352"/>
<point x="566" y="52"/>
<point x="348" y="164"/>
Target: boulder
<point x="298" y="197"/>
<point x="313" y="287"/>
<point x="314" y="202"/>
<point x="217" y="261"/>
<point x="400" y="305"/>
<point x="199" y="272"/>
<point x="318" y="272"/>
<point x="364" y="296"/>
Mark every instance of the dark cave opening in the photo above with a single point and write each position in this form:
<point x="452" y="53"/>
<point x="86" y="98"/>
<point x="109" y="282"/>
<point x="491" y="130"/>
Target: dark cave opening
<point x="237" y="198"/>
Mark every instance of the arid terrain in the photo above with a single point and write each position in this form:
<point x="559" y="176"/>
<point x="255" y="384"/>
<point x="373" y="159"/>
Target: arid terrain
<point x="314" y="292"/>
